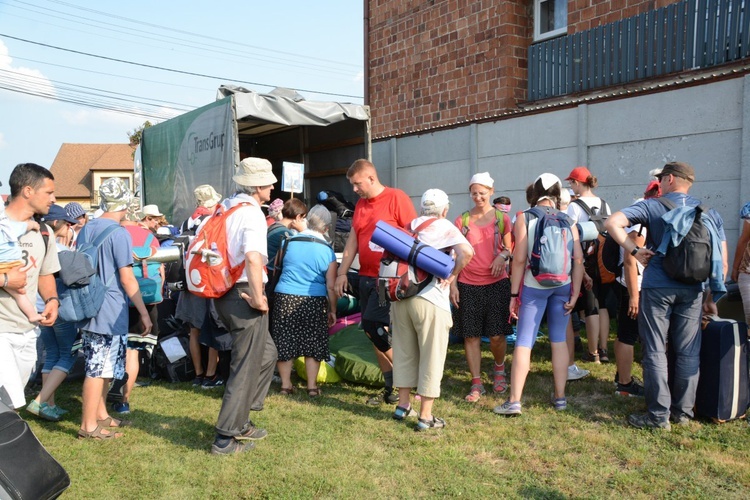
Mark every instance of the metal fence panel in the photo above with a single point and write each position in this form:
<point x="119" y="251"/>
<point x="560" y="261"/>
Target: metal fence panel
<point x="684" y="35"/>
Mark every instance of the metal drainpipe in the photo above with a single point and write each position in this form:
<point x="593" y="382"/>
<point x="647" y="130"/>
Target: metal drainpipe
<point x="366" y="36"/>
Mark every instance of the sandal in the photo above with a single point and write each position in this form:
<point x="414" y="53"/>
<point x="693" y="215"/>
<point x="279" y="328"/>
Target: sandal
<point x="286" y="391"/>
<point x="314" y="393"/>
<point x="107" y="422"/>
<point x="475" y="393"/>
<point x="428" y="425"/>
<point x="401" y="413"/>
<point x="499" y="381"/>
<point x="98" y="434"/>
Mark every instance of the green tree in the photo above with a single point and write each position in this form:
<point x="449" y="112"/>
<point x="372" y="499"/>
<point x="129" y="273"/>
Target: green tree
<point x="136" y="134"/>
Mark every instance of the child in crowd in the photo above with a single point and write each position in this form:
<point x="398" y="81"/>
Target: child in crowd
<point x="11" y="257"/>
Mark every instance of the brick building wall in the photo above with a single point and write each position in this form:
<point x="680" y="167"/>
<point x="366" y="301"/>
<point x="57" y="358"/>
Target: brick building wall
<point x="436" y="63"/>
<point x="443" y="62"/>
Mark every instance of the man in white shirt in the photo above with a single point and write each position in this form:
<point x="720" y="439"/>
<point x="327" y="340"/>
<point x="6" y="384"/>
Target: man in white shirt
<point x="244" y="310"/>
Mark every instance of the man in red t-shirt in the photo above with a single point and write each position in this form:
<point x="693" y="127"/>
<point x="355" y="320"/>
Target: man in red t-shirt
<point x="391" y="205"/>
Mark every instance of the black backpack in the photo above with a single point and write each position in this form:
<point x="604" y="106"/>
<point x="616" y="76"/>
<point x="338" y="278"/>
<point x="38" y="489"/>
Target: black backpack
<point x="690" y="261"/>
<point x="602" y="255"/>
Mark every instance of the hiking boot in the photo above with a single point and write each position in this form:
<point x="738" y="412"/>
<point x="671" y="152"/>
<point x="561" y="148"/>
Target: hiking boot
<point x="251" y="433"/>
<point x="644" y="421"/>
<point x="575" y="373"/>
<point x="42" y="410"/>
<point x="385" y="396"/>
<point x="680" y="419"/>
<point x="508" y="408"/>
<point x="233" y="447"/>
<point x="123" y="408"/>
<point x="212" y="383"/>
<point x="632" y="390"/>
<point x="591" y="357"/>
<point x="603" y="357"/>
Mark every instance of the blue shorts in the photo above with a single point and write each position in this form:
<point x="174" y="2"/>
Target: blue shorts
<point x="534" y="301"/>
<point x="104" y="355"/>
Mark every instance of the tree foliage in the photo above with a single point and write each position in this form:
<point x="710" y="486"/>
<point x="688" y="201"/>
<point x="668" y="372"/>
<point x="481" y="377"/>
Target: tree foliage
<point x="136" y="134"/>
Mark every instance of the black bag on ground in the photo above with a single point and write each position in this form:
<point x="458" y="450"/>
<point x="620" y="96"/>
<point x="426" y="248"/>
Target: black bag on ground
<point x="723" y="390"/>
<point x="180" y="367"/>
<point x="27" y="470"/>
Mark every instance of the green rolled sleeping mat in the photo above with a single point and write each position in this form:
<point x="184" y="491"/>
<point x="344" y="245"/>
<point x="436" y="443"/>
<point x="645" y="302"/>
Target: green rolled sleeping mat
<point x="355" y="357"/>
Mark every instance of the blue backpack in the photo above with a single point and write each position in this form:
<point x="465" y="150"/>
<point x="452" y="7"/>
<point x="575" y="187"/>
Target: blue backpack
<point x="551" y="259"/>
<point x="147" y="273"/>
<point x="79" y="288"/>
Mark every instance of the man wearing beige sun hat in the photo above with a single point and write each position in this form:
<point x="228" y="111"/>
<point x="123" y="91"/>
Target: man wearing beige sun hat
<point x="244" y="310"/>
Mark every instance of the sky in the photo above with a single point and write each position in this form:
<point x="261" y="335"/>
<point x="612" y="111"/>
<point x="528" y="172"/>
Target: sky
<point x="84" y="71"/>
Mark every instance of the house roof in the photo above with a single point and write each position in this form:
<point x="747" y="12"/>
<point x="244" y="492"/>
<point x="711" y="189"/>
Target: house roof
<point x="74" y="163"/>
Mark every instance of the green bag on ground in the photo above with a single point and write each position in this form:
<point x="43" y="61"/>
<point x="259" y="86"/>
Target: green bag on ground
<point x="355" y="358"/>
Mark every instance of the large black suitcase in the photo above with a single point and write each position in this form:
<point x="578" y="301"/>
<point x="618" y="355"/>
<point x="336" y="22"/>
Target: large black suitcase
<point x="27" y="470"/>
<point x="723" y="388"/>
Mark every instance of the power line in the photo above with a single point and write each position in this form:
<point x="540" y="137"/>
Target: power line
<point x="71" y="86"/>
<point x="111" y="74"/>
<point x="166" y="69"/>
<point x="160" y="27"/>
<point x="171" y="40"/>
<point x="132" y="111"/>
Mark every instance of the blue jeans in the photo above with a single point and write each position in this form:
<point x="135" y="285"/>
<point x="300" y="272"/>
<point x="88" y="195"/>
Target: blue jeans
<point x="670" y="314"/>
<point x="58" y="341"/>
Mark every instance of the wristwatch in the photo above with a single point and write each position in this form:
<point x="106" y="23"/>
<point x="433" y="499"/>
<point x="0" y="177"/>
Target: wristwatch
<point x="635" y="250"/>
<point x="51" y="299"/>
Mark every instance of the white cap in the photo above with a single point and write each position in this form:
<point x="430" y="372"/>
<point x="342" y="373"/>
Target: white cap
<point x="482" y="178"/>
<point x="434" y="198"/>
<point x="548" y="180"/>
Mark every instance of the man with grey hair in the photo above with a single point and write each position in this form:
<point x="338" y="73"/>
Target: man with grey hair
<point x="244" y="310"/>
<point x="105" y="336"/>
<point x="421" y="323"/>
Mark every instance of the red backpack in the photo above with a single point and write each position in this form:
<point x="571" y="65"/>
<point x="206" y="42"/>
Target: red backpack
<point x="398" y="278"/>
<point x="207" y="268"/>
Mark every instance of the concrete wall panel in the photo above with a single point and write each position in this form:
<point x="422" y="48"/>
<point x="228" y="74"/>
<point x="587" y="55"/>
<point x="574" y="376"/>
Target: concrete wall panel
<point x="528" y="133"/>
<point x="686" y="111"/>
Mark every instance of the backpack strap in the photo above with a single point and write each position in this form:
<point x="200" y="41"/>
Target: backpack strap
<point x="499" y="228"/>
<point x="668" y="204"/>
<point x="585" y="207"/>
<point x="98" y="242"/>
<point x="423" y="226"/>
<point x="465" y="222"/>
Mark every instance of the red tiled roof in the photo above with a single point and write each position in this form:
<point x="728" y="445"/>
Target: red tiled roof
<point x="74" y="163"/>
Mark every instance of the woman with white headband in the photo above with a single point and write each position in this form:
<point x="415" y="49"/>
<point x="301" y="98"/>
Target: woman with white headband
<point x="530" y="297"/>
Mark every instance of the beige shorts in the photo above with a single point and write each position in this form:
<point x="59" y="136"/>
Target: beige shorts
<point x="7" y="266"/>
<point x="420" y="344"/>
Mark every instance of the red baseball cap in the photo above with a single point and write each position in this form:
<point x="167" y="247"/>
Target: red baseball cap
<point x="580" y="174"/>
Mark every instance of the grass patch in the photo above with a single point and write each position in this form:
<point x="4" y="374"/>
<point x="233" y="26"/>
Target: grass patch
<point x="336" y="446"/>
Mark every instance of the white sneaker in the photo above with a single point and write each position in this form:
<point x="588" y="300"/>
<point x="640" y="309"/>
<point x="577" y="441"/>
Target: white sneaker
<point x="575" y="373"/>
